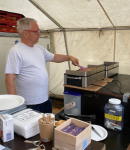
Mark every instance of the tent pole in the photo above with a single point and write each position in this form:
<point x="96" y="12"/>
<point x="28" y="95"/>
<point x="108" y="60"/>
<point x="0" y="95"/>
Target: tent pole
<point x="114" y="54"/>
<point x="105" y="13"/>
<point x="55" y="22"/>
<point x="45" y="13"/>
<point x="87" y="29"/>
<point x="113" y="27"/>
<point x="66" y="46"/>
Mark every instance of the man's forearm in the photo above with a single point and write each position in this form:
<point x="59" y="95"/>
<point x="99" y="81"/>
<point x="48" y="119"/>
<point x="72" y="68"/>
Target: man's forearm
<point x="61" y="58"/>
<point x="11" y="89"/>
<point x="10" y="84"/>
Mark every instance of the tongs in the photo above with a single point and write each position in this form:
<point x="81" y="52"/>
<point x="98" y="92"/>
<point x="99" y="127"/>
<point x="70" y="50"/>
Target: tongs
<point x="38" y="144"/>
<point x="35" y="143"/>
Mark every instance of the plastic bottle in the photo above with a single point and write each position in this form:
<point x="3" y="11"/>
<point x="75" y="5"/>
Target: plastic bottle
<point x="114" y="112"/>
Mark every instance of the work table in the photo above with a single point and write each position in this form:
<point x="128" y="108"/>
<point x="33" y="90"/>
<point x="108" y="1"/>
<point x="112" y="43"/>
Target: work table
<point x="114" y="141"/>
<point x="95" y="104"/>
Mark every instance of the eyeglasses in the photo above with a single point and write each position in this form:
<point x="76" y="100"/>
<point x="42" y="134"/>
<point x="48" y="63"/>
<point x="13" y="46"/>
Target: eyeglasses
<point x="33" y="31"/>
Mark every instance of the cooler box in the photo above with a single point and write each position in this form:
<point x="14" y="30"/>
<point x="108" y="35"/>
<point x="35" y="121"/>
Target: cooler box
<point x="72" y="103"/>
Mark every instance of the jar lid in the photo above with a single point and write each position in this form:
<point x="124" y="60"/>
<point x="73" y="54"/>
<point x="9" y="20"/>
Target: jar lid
<point x="114" y="101"/>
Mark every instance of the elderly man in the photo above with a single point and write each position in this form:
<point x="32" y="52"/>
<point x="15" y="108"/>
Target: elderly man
<point x="25" y="72"/>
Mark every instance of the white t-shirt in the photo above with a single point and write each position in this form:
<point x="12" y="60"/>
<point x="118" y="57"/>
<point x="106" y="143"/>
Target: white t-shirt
<point x="29" y="65"/>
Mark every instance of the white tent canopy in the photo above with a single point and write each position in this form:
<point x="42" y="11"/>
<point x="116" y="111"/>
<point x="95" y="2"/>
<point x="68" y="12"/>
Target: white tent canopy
<point x="87" y="13"/>
<point x="73" y="13"/>
<point x="92" y="30"/>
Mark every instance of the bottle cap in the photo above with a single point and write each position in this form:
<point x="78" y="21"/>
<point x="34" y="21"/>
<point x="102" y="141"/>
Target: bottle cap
<point x="114" y="101"/>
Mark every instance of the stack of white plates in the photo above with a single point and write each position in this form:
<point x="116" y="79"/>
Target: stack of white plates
<point x="10" y="101"/>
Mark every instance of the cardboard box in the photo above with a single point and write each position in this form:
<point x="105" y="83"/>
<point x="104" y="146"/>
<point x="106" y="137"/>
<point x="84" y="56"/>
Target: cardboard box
<point x="6" y="127"/>
<point x="66" y="141"/>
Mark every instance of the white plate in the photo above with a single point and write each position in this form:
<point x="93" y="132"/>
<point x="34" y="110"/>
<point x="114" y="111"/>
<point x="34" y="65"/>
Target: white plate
<point x="102" y="131"/>
<point x="10" y="101"/>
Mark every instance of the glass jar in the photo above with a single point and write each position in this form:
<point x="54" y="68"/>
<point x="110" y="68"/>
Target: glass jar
<point x="113" y="113"/>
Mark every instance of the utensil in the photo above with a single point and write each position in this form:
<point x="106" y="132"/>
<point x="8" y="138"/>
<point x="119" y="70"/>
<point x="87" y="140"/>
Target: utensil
<point x="40" y="146"/>
<point x="35" y="143"/>
<point x="95" y="130"/>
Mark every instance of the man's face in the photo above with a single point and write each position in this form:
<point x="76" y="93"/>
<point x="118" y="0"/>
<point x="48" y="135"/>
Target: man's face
<point x="33" y="33"/>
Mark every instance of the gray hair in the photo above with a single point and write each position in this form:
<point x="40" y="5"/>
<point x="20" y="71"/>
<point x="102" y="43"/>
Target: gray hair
<point x="24" y="24"/>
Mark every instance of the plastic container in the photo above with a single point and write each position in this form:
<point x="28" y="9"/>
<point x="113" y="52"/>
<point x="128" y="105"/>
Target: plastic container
<point x="114" y="112"/>
<point x="72" y="103"/>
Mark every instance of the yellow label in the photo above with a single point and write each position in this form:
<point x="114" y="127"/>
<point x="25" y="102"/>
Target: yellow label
<point x="112" y="117"/>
